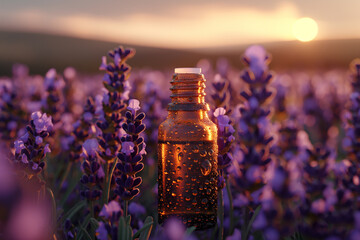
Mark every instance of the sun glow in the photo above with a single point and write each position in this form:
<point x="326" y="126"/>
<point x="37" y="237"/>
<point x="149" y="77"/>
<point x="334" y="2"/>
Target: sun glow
<point x="305" y="29"/>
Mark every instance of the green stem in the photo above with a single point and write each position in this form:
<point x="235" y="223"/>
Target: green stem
<point x="105" y="197"/>
<point x="108" y="180"/>
<point x="64" y="177"/>
<point x="221" y="214"/>
<point x="244" y="227"/>
<point x="92" y="209"/>
<point x="228" y="189"/>
<point x="126" y="203"/>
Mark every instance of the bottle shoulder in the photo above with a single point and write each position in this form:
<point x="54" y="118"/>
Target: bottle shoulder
<point x="186" y="130"/>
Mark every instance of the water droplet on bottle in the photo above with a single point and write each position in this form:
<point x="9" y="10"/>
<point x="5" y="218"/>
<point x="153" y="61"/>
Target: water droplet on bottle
<point x="203" y="153"/>
<point x="187" y="199"/>
<point x="205" y="167"/>
<point x="194" y="202"/>
<point x="178" y="149"/>
<point x="178" y="168"/>
<point x="179" y="179"/>
<point x="194" y="192"/>
<point x="204" y="201"/>
<point x="195" y="148"/>
<point x="173" y="194"/>
<point x="180" y="156"/>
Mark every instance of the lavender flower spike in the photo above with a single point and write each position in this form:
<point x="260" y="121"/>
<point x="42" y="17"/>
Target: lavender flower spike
<point x="132" y="152"/>
<point x="42" y="122"/>
<point x="31" y="149"/>
<point x="225" y="139"/>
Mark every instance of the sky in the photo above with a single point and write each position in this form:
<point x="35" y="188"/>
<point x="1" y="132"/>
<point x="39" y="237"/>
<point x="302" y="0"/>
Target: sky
<point x="181" y="24"/>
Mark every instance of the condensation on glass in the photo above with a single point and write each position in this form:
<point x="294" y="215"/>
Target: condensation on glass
<point x="187" y="154"/>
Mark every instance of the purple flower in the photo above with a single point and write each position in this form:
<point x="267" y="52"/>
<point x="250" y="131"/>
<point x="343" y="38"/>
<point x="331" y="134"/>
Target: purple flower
<point x="87" y="117"/>
<point x="127" y="148"/>
<point x="101" y="231"/>
<point x="30" y="149"/>
<point x="109" y="209"/>
<point x="117" y="59"/>
<point x="219" y="111"/>
<point x="90" y="147"/>
<point x="236" y="235"/>
<point x="278" y="179"/>
<point x="136" y="209"/>
<point x="19" y="145"/>
<point x="223" y="122"/>
<point x="271" y="234"/>
<point x="103" y="63"/>
<point x="257" y="58"/>
<point x="47" y="149"/>
<point x="134" y="105"/>
<point x="175" y="229"/>
<point x="260" y="221"/>
<point x="42" y="122"/>
<point x="24" y="158"/>
<point x="143" y="150"/>
<point x="318" y="206"/>
<point x="254" y="174"/>
<point x="38" y="140"/>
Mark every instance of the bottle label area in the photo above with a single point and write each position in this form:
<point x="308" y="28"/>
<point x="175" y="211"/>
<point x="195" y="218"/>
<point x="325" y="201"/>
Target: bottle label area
<point x="188" y="181"/>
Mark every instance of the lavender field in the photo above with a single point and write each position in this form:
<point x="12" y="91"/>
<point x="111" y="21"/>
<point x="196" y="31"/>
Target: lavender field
<point x="79" y="151"/>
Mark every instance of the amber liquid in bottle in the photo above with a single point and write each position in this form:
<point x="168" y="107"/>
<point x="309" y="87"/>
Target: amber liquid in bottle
<point x="187" y="154"/>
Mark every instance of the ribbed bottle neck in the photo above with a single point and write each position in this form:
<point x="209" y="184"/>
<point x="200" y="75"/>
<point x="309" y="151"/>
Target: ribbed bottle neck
<point x="188" y="92"/>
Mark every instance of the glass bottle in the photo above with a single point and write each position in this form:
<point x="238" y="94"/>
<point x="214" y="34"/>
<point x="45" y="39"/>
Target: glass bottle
<point x="187" y="154"/>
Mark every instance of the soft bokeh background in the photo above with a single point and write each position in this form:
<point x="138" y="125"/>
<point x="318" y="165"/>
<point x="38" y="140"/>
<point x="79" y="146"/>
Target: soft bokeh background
<point x="45" y="34"/>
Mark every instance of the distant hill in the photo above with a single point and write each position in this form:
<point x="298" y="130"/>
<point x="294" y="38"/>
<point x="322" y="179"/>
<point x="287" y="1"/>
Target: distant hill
<point x="42" y="51"/>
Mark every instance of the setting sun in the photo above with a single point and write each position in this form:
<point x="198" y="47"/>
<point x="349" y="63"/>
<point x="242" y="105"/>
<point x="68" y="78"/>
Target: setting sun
<point x="305" y="29"/>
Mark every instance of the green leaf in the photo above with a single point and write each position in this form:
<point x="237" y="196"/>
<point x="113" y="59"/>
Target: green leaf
<point x="69" y="214"/>
<point x="69" y="190"/>
<point x="256" y="213"/>
<point x="83" y="227"/>
<point x="189" y="231"/>
<point x="53" y="201"/>
<point x="83" y="231"/>
<point x="94" y="223"/>
<point x="144" y="232"/>
<point x="121" y="229"/>
<point x="128" y="220"/>
<point x="124" y="229"/>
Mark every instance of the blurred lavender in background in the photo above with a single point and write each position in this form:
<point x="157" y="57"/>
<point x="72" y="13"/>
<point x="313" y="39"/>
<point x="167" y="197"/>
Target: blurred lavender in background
<point x="288" y="150"/>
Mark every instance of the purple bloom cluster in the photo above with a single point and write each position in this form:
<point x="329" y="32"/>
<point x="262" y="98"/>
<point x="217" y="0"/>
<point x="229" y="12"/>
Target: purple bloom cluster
<point x="280" y="186"/>
<point x="221" y="96"/>
<point x="253" y="126"/>
<point x="351" y="143"/>
<point x="327" y="208"/>
<point x="93" y="172"/>
<point x="83" y="129"/>
<point x="53" y="100"/>
<point x="12" y="113"/>
<point x="225" y="139"/>
<point x="30" y="149"/>
<point x="113" y="101"/>
<point x="132" y="152"/>
<point x="109" y="228"/>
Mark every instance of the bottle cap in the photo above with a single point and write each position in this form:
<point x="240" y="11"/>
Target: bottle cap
<point x="188" y="70"/>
